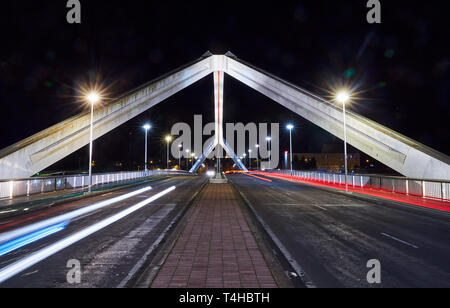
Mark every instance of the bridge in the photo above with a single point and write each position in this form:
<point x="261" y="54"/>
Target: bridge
<point x="404" y="155"/>
<point x="259" y="229"/>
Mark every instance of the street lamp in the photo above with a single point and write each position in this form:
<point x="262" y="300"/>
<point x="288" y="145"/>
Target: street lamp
<point x="179" y="155"/>
<point x="290" y="127"/>
<point x="257" y="156"/>
<point x="343" y="97"/>
<point x="92" y="97"/>
<point x="193" y="158"/>
<point x="168" y="139"/>
<point x="146" y="127"/>
<point x="250" y="158"/>
<point x="187" y="159"/>
<point x="269" y="139"/>
<point x="244" y="156"/>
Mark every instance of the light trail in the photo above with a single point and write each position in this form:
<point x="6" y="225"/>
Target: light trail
<point x="24" y="263"/>
<point x="8" y="236"/>
<point x="30" y="238"/>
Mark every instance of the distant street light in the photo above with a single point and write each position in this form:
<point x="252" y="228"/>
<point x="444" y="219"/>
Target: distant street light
<point x="179" y="155"/>
<point x="269" y="139"/>
<point x="250" y="158"/>
<point x="168" y="139"/>
<point x="93" y="98"/>
<point x="290" y="127"/>
<point x="343" y="97"/>
<point x="146" y="127"/>
<point x="257" y="156"/>
<point x="187" y="159"/>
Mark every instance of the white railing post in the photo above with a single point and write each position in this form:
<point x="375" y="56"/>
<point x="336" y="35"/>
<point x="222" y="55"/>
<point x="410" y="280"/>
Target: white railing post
<point x="11" y="189"/>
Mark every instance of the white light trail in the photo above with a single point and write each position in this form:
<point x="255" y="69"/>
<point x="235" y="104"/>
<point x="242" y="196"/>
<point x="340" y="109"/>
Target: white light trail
<point x="21" y="265"/>
<point x="65" y="217"/>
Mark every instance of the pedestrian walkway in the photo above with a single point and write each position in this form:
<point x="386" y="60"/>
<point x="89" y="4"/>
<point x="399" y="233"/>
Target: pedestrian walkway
<point x="216" y="249"/>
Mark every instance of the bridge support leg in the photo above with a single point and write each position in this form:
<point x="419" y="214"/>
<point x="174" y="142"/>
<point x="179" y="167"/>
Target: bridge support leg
<point x="219" y="141"/>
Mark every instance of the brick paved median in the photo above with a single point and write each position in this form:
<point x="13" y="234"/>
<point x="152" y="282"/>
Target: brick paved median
<point x="216" y="249"/>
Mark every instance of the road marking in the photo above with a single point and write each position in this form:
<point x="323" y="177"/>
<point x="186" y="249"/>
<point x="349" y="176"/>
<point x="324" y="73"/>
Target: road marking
<point x="318" y="206"/>
<point x="295" y="204"/>
<point x="399" y="240"/>
<point x="26" y="262"/>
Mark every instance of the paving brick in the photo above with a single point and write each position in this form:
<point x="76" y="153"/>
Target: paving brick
<point x="216" y="249"/>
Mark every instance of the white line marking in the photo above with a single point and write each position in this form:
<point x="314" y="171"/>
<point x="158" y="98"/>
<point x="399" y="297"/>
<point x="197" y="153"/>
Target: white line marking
<point x="24" y="263"/>
<point x="318" y="206"/>
<point x="399" y="240"/>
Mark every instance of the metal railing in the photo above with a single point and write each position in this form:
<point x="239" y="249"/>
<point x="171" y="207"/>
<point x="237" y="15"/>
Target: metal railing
<point x="431" y="189"/>
<point x="38" y="185"/>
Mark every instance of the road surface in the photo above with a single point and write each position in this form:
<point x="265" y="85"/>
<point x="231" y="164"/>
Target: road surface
<point x="332" y="236"/>
<point x="113" y="255"/>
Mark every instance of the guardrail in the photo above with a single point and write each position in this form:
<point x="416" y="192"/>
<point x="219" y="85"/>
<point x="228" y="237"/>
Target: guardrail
<point x="431" y="189"/>
<point x="38" y="185"/>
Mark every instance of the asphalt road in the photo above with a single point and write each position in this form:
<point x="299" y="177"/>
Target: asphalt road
<point x="108" y="256"/>
<point x="332" y="236"/>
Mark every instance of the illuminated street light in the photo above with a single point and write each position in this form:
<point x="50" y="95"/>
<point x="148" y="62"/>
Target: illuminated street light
<point x="257" y="156"/>
<point x="93" y="98"/>
<point x="343" y="97"/>
<point x="290" y="127"/>
<point x="168" y="139"/>
<point x="146" y="127"/>
<point x="269" y="139"/>
<point x="250" y="158"/>
<point x="179" y="155"/>
<point x="187" y="159"/>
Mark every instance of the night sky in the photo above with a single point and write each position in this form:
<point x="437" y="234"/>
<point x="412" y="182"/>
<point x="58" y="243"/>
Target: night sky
<point x="401" y="67"/>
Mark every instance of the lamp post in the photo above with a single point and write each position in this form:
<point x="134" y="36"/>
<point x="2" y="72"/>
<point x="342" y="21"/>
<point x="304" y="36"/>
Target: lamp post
<point x="168" y="139"/>
<point x="269" y="139"/>
<point x="179" y="155"/>
<point x="187" y="159"/>
<point x="257" y="156"/>
<point x="343" y="97"/>
<point x="250" y="158"/>
<point x="146" y="128"/>
<point x="93" y="98"/>
<point x="290" y="127"/>
<point x="193" y="158"/>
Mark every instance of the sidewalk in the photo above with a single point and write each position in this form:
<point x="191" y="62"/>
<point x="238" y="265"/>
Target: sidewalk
<point x="216" y="249"/>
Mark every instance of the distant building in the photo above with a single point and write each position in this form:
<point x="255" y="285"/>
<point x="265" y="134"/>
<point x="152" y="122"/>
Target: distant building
<point x="331" y="162"/>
